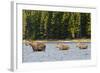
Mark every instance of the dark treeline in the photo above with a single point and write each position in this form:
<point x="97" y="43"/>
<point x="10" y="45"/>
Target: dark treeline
<point x="56" y="25"/>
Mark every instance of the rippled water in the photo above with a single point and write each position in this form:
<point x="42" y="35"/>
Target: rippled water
<point x="54" y="54"/>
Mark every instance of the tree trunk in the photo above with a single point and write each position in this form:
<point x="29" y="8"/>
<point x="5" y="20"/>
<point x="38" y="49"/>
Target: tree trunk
<point x="73" y="35"/>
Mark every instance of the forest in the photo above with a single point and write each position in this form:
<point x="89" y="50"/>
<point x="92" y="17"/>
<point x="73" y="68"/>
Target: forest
<point x="54" y="25"/>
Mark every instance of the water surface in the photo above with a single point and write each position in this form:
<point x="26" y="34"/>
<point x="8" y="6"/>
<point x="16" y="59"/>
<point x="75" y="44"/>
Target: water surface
<point x="54" y="54"/>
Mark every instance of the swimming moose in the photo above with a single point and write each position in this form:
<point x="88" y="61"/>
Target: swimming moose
<point x="36" y="46"/>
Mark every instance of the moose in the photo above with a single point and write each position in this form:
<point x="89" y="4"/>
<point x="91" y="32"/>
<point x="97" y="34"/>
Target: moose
<point x="62" y="46"/>
<point x="36" y="46"/>
<point x="82" y="45"/>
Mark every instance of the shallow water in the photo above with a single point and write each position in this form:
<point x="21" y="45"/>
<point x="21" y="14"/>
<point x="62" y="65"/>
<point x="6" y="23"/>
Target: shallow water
<point x="54" y="54"/>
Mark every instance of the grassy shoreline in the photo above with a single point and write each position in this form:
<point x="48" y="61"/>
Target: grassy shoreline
<point x="68" y="40"/>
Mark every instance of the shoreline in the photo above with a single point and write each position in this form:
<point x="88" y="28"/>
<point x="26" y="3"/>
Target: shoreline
<point x="74" y="40"/>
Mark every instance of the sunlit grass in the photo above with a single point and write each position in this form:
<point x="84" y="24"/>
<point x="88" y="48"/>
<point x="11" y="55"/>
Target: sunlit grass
<point x="67" y="40"/>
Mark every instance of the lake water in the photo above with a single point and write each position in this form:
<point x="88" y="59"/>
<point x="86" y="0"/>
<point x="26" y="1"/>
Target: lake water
<point x="54" y="54"/>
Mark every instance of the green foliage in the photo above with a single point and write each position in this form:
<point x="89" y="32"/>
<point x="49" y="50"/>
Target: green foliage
<point x="55" y="25"/>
